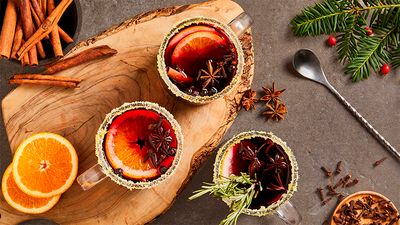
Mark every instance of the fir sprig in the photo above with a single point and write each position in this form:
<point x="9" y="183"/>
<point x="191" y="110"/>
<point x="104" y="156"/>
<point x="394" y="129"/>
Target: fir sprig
<point x="238" y="190"/>
<point x="348" y="19"/>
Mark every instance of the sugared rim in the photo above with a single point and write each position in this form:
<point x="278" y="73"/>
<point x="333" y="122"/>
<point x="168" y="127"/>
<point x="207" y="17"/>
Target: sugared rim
<point x="368" y="193"/>
<point x="162" y="67"/>
<point x="292" y="187"/>
<point x="100" y="136"/>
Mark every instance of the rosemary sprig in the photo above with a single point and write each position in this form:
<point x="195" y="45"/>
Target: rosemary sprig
<point x="238" y="190"/>
<point x="348" y="19"/>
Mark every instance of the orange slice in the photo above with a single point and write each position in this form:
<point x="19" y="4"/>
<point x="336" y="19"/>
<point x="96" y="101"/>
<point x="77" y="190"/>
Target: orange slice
<point x="195" y="49"/>
<point x="45" y="165"/>
<point x="21" y="201"/>
<point x="126" y="144"/>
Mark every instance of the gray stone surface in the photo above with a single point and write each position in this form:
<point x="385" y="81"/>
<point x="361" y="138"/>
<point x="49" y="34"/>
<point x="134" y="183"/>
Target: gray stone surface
<point x="318" y="128"/>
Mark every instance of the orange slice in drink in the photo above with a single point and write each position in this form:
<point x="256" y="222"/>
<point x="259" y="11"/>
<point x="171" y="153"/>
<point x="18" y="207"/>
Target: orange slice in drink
<point x="195" y="49"/>
<point x="45" y="165"/>
<point x="21" y="201"/>
<point x="127" y="145"/>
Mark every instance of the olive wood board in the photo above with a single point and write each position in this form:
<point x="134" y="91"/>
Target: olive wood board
<point x="129" y="76"/>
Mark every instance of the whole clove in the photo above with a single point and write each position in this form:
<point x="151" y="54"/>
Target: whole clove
<point x="327" y="200"/>
<point x="379" y="162"/>
<point x="338" y="169"/>
<point x="352" y="183"/>
<point x="320" y="194"/>
<point x="331" y="190"/>
<point x="346" y="179"/>
<point x="327" y="172"/>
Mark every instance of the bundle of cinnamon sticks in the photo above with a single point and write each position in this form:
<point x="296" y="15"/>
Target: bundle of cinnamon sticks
<point x="26" y="24"/>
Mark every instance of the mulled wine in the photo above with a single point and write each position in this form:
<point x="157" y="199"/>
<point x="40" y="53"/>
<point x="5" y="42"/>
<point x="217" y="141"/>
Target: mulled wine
<point x="140" y="145"/>
<point x="268" y="161"/>
<point x="201" y="59"/>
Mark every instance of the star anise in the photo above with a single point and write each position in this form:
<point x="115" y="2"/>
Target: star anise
<point x="248" y="100"/>
<point x="159" y="138"/>
<point x="209" y="76"/>
<point x="277" y="163"/>
<point x="271" y="95"/>
<point x="276" y="111"/>
<point x="276" y="187"/>
<point x="251" y="154"/>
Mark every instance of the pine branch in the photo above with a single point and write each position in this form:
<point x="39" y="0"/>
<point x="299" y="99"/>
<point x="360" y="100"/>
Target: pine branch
<point x="372" y="54"/>
<point x="348" y="41"/>
<point x="323" y="18"/>
<point x="349" y="18"/>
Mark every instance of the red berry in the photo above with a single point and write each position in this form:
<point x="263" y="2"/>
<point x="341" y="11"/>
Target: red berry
<point x="385" y="69"/>
<point x="369" y="31"/>
<point x="331" y="41"/>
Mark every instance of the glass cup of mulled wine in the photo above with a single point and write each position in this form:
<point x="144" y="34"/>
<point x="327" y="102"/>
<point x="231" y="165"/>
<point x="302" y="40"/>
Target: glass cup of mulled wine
<point x="268" y="160"/>
<point x="201" y="59"/>
<point x="138" y="146"/>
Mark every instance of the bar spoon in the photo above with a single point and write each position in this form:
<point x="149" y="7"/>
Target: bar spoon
<point x="307" y="64"/>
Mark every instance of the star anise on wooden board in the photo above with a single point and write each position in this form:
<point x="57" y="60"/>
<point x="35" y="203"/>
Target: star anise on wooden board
<point x="248" y="100"/>
<point x="209" y="76"/>
<point x="276" y="111"/>
<point x="271" y="95"/>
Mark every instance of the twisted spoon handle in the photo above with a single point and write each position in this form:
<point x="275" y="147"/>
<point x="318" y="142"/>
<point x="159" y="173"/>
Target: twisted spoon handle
<point x="365" y="122"/>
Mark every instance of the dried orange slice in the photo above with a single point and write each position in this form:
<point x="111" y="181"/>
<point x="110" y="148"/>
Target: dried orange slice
<point x="45" y="165"/>
<point x="21" y="201"/>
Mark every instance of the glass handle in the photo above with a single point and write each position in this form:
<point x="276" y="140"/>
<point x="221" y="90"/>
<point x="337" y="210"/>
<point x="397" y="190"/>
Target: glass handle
<point x="241" y="23"/>
<point x="288" y="213"/>
<point x="91" y="177"/>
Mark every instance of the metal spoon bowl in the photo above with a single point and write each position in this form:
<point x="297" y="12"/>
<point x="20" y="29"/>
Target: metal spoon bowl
<point x="307" y="64"/>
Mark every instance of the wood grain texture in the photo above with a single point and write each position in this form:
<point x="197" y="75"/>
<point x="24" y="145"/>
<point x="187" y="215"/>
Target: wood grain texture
<point x="128" y="76"/>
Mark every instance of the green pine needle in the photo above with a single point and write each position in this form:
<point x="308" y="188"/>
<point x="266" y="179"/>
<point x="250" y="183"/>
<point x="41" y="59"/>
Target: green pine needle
<point x="348" y="19"/>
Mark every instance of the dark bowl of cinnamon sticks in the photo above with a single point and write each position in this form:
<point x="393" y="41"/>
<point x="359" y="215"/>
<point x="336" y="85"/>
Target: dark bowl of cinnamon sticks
<point x="38" y="31"/>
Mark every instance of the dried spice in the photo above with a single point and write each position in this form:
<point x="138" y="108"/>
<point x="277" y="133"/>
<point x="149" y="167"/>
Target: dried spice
<point x="327" y="172"/>
<point x="160" y="140"/>
<point x="320" y="192"/>
<point x="209" y="76"/>
<point x="378" y="212"/>
<point x="338" y="169"/>
<point x="271" y="95"/>
<point x="276" y="163"/>
<point x="248" y="100"/>
<point x="352" y="183"/>
<point x="276" y="112"/>
<point x="279" y="186"/>
<point x="251" y="154"/>
<point x="379" y="162"/>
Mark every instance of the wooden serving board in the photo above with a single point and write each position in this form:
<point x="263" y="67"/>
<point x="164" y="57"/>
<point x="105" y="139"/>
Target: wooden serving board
<point x="128" y="76"/>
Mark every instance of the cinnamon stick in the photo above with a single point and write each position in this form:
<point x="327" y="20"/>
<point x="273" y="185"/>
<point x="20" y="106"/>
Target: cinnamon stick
<point x="25" y="59"/>
<point x="45" y="82"/>
<point x="43" y="4"/>
<point x="40" y="12"/>
<point x="54" y="37"/>
<point x="45" y="77"/>
<point x="28" y="28"/>
<point x="46" y="28"/>
<point x="80" y="58"/>
<point x="39" y="45"/>
<point x="8" y="30"/>
<point x="64" y="36"/>
<point x="18" y="38"/>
